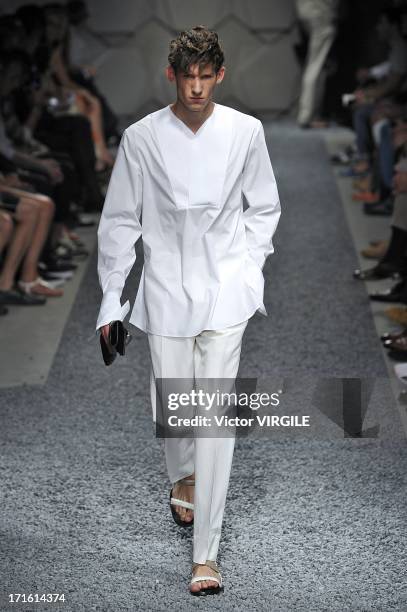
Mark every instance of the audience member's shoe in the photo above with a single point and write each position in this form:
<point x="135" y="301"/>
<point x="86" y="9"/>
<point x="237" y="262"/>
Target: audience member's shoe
<point x="73" y="248"/>
<point x="18" y="298"/>
<point x="344" y="156"/>
<point x="381" y="271"/>
<point x="55" y="268"/>
<point x="63" y="252"/>
<point x="397" y="314"/>
<point x="40" y="286"/>
<point x="3" y="310"/>
<point x="398" y="349"/>
<point x="375" y="251"/>
<point x="398" y="293"/>
<point x="388" y="337"/>
<point x="369" y="197"/>
<point x="341" y="158"/>
<point x="56" y="276"/>
<point x="398" y="344"/>
<point x="383" y="208"/>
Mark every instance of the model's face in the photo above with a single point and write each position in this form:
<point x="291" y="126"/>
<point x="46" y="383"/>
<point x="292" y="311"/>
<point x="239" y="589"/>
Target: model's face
<point x="195" y="87"/>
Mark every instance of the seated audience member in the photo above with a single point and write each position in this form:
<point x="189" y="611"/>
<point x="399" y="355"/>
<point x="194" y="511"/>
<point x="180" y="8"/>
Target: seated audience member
<point x="393" y="260"/>
<point x="84" y="53"/>
<point x="380" y="99"/>
<point x="32" y="215"/>
<point x="45" y="175"/>
<point x="50" y="124"/>
<point x="87" y="104"/>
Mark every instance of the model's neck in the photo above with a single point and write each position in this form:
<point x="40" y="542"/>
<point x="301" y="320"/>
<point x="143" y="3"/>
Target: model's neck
<point x="193" y="119"/>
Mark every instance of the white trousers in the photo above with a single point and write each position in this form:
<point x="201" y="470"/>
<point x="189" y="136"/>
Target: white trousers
<point x="209" y="355"/>
<point x="317" y="17"/>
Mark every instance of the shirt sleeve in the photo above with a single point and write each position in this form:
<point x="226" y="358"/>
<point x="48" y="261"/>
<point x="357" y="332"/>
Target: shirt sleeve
<point x="118" y="231"/>
<point x="260" y="190"/>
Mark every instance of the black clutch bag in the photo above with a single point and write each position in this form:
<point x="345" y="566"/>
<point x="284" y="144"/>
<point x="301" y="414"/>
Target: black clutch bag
<point x="119" y="338"/>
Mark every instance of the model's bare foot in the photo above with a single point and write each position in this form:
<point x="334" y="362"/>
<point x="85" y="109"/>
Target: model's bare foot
<point x="203" y="570"/>
<point x="186" y="493"/>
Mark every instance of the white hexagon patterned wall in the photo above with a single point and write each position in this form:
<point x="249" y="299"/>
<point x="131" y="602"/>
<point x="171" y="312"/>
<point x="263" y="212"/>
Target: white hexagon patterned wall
<point x="257" y="36"/>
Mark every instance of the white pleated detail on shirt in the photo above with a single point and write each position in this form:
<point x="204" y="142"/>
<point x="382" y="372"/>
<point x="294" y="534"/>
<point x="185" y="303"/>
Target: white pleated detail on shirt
<point x="183" y="193"/>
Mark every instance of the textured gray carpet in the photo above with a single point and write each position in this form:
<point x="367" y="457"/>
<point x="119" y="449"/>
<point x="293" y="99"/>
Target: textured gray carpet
<point x="310" y="524"/>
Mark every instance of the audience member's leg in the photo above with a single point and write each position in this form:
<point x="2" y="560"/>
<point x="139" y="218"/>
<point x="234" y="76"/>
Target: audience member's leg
<point x="6" y="228"/>
<point x="72" y="134"/>
<point x="386" y="157"/>
<point x="26" y="216"/>
<point x="362" y="126"/>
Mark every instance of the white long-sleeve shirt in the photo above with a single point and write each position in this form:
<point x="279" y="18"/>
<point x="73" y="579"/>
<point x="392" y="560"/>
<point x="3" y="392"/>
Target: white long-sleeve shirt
<point x="183" y="193"/>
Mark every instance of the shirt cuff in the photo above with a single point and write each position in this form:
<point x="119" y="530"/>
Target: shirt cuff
<point x="111" y="309"/>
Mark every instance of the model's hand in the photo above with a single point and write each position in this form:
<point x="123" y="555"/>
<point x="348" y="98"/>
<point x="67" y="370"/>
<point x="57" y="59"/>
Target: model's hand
<point x="105" y="331"/>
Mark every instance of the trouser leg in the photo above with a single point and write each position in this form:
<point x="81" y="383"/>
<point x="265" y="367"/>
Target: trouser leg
<point x="210" y="356"/>
<point x="172" y="358"/>
<point x="217" y="356"/>
<point x="386" y="155"/>
<point x="361" y="124"/>
<point x="399" y="218"/>
<point x="322" y="35"/>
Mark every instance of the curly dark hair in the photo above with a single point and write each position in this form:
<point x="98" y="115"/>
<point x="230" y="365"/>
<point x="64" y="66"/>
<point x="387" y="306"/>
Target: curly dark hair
<point x="196" y="46"/>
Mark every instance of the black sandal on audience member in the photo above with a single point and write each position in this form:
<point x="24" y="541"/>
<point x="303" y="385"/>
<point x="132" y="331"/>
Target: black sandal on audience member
<point x="18" y="298"/>
<point x="398" y="293"/>
<point x="393" y="263"/>
<point x="381" y="209"/>
<point x="388" y="337"/>
<point x="381" y="271"/>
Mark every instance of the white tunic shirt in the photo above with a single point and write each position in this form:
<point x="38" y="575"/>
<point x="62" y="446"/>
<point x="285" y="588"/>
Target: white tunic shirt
<point x="183" y="193"/>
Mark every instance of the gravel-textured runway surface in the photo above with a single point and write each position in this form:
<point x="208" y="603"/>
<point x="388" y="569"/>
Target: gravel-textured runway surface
<point x="310" y="524"/>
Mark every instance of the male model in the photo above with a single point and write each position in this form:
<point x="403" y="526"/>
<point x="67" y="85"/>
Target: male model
<point x="183" y="170"/>
<point x="318" y="19"/>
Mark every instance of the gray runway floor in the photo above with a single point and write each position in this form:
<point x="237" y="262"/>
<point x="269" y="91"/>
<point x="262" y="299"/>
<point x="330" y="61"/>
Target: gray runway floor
<point x="312" y="523"/>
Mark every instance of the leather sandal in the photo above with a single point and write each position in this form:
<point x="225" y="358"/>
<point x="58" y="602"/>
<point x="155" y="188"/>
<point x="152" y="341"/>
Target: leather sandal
<point x="380" y="271"/>
<point x="17" y="297"/>
<point x="388" y="337"/>
<point x="399" y="345"/>
<point x="212" y="590"/>
<point x="397" y="293"/>
<point x="181" y="502"/>
<point x="50" y="290"/>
